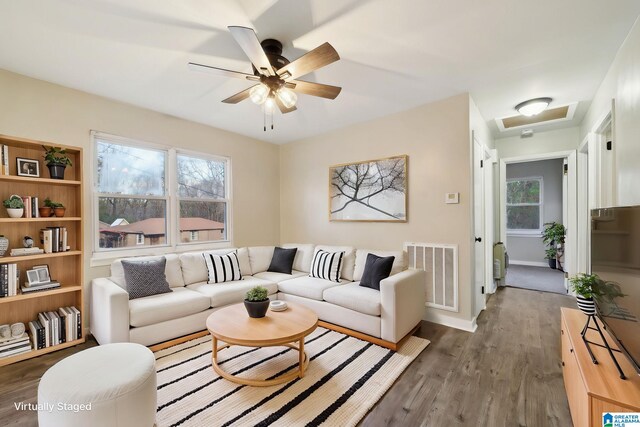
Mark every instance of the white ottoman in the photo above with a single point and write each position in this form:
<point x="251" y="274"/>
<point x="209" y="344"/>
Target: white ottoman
<point x="112" y="385"/>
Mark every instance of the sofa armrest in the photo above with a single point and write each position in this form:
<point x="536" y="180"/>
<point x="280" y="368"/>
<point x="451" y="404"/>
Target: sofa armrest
<point x="109" y="312"/>
<point x="402" y="298"/>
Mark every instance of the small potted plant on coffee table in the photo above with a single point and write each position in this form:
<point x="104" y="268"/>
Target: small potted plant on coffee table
<point x="14" y="205"/>
<point x="256" y="302"/>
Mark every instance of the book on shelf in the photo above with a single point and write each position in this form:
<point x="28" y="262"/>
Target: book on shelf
<point x="14" y="346"/>
<point x="56" y="327"/>
<point x="4" y="160"/>
<point x="39" y="287"/>
<point x="26" y="251"/>
<point x="54" y="239"/>
<point x="9" y="276"/>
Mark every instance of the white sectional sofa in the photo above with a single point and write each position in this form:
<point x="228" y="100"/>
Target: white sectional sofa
<point x="387" y="315"/>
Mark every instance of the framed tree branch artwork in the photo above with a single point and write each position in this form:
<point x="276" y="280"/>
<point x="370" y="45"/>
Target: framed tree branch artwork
<point x="373" y="190"/>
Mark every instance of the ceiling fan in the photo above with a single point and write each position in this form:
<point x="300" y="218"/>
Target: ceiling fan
<point x="275" y="76"/>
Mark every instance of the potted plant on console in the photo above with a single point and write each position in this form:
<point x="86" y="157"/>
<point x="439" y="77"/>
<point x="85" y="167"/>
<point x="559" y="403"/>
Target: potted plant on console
<point x="56" y="160"/>
<point x="256" y="302"/>
<point x="585" y="287"/>
<point x="14" y="205"/>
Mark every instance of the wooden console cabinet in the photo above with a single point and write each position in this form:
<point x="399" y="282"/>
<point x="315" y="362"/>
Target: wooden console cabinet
<point x="594" y="389"/>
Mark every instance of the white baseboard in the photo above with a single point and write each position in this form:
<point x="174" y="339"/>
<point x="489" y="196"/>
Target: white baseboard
<point x="453" y="322"/>
<point x="529" y="263"/>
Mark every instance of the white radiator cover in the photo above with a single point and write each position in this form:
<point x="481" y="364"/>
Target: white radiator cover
<point x="440" y="262"/>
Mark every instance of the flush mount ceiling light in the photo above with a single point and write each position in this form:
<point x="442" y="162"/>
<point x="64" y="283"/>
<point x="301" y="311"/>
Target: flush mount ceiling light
<point x="533" y="106"/>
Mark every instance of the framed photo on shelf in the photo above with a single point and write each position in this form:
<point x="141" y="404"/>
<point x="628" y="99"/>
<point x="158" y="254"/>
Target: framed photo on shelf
<point x="38" y="274"/>
<point x="28" y="167"/>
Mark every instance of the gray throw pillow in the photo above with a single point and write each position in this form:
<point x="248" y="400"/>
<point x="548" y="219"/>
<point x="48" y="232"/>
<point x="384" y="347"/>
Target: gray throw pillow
<point x="145" y="278"/>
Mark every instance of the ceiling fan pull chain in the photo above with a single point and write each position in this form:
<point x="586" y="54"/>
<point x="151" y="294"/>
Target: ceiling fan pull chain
<point x="264" y="120"/>
<point x="271" y="121"/>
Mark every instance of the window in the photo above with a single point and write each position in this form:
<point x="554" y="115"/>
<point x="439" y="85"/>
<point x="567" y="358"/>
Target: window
<point x="141" y="191"/>
<point x="524" y="205"/>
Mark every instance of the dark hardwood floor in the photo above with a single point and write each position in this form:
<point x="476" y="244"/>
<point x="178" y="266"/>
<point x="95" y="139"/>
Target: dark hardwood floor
<point x="507" y="373"/>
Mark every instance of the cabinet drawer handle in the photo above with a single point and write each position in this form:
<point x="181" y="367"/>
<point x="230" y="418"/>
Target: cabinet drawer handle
<point x="561" y="332"/>
<point x="563" y="363"/>
<point x="571" y="350"/>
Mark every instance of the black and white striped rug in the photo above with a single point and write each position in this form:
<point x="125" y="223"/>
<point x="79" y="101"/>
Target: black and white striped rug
<point x="345" y="378"/>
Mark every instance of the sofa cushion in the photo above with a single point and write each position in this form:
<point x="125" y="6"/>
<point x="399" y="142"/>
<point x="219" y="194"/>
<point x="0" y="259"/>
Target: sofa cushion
<point x="355" y="297"/>
<point x="327" y="265"/>
<point x="282" y="260"/>
<point x="145" y="278"/>
<point x="348" y="262"/>
<point x="231" y="292"/>
<point x="260" y="257"/>
<point x="180" y="302"/>
<point x="307" y="287"/>
<point x="171" y="271"/>
<point x="194" y="268"/>
<point x="399" y="263"/>
<point x="279" y="277"/>
<point x="304" y="255"/>
<point x="222" y="268"/>
<point x="376" y="269"/>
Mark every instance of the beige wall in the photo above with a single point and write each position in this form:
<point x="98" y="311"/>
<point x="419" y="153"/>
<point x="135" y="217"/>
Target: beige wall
<point x="35" y="109"/>
<point x="539" y="143"/>
<point x="622" y="83"/>
<point x="436" y="139"/>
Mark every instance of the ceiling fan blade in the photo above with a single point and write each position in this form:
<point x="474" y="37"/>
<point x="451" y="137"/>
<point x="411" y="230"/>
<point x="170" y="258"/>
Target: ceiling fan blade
<point x="222" y="72"/>
<point x="240" y="96"/>
<point x="283" y="109"/>
<point x="314" y="89"/>
<point x="323" y="55"/>
<point x="248" y="41"/>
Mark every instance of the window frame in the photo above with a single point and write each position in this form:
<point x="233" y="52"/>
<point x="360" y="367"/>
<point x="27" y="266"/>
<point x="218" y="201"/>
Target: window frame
<point x="519" y="231"/>
<point x="104" y="256"/>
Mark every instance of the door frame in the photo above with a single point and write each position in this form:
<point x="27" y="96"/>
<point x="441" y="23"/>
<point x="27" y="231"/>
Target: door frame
<point x="571" y="209"/>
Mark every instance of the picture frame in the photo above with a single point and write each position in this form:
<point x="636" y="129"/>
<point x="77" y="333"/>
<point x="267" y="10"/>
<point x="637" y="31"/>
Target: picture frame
<point x="38" y="274"/>
<point x="370" y="190"/>
<point x="28" y="167"/>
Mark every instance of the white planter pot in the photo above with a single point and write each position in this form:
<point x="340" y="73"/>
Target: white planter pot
<point x="15" y="213"/>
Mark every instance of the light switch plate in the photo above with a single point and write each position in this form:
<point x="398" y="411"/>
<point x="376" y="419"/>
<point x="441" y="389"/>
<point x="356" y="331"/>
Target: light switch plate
<point x="452" y="198"/>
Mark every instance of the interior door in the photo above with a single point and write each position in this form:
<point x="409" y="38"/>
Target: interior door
<point x="478" y="226"/>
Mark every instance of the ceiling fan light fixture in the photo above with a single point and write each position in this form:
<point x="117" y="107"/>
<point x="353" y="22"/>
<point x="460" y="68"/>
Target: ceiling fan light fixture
<point x="533" y="107"/>
<point x="287" y="97"/>
<point x="259" y="93"/>
<point x="269" y="105"/>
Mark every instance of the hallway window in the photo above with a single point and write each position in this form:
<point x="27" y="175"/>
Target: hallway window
<point x="524" y="205"/>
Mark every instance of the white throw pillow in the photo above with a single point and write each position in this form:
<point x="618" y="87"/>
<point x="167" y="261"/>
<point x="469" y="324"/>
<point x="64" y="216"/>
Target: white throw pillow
<point x="327" y="265"/>
<point x="222" y="268"/>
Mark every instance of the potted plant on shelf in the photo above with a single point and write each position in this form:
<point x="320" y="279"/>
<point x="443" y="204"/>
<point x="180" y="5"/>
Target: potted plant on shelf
<point x="57" y="160"/>
<point x="553" y="236"/>
<point x="256" y="302"/>
<point x="550" y="255"/>
<point x="589" y="287"/>
<point x="55" y="208"/>
<point x="14" y="205"/>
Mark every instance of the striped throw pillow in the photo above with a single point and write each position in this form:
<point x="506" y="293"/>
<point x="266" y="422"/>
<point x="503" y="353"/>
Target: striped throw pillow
<point x="222" y="268"/>
<point x="327" y="265"/>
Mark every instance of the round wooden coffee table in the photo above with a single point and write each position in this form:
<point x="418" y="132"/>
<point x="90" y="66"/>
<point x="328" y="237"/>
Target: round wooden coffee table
<point x="233" y="325"/>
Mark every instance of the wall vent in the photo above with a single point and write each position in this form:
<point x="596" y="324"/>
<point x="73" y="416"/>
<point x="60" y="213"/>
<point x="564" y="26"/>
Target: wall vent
<point x="440" y="262"/>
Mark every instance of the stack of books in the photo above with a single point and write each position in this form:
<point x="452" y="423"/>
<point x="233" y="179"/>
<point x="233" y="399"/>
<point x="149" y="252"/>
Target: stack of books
<point x="45" y="286"/>
<point x="54" y="239"/>
<point x="15" y="345"/>
<point x="26" y="251"/>
<point x="56" y="327"/>
<point x="9" y="276"/>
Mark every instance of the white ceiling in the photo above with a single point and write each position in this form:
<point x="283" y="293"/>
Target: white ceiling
<point x="396" y="54"/>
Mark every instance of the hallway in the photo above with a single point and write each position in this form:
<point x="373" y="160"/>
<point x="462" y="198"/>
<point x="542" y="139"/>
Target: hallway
<point x="536" y="278"/>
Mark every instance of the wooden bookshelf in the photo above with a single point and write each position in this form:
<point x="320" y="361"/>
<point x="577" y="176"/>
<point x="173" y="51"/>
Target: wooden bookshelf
<point x="65" y="267"/>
